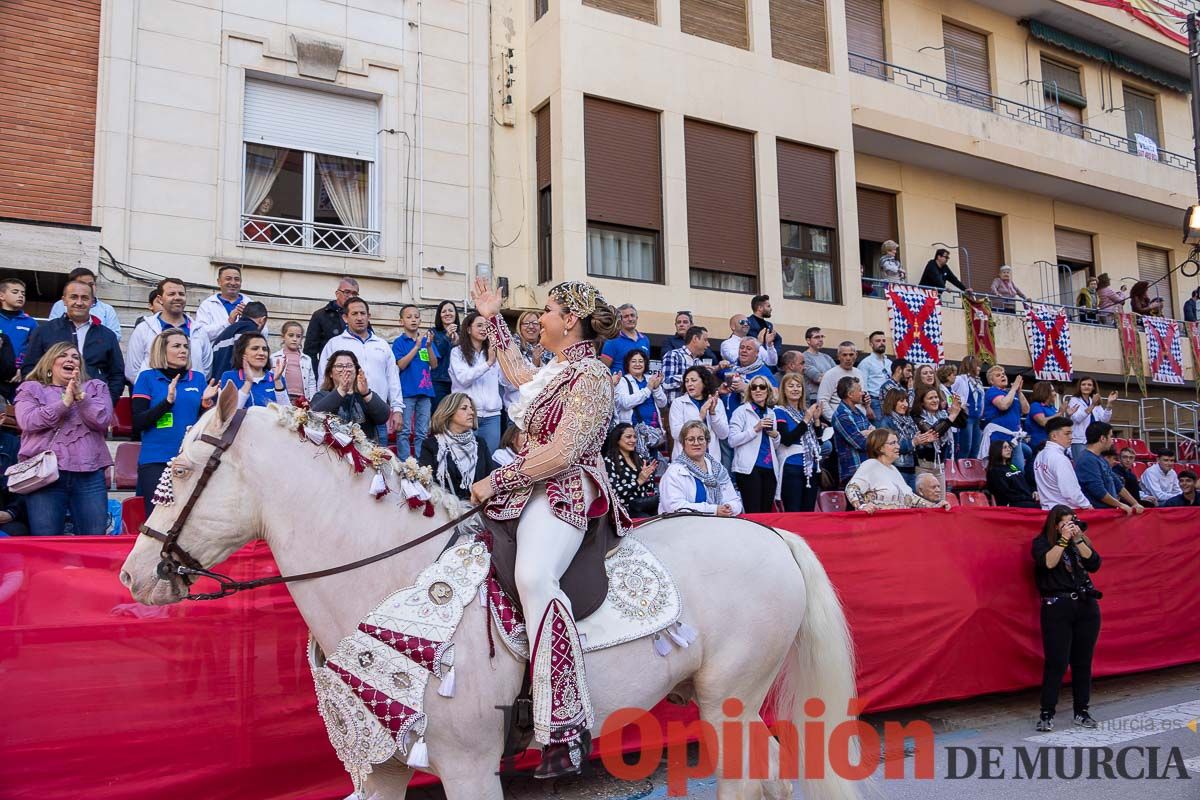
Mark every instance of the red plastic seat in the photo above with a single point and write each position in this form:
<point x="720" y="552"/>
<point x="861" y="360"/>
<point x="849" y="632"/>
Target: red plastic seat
<point x="1121" y="444"/>
<point x="1187" y="451"/>
<point x="133" y="514"/>
<point x="832" y="501"/>
<point x="952" y="499"/>
<point x="1179" y="467"/>
<point x="1139" y="468"/>
<point x="966" y="473"/>
<point x="122" y="424"/>
<point x="127" y="464"/>
<point x="1141" y="450"/>
<point x="977" y="499"/>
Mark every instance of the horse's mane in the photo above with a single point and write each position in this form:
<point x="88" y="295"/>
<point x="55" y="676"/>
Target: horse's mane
<point x="352" y="447"/>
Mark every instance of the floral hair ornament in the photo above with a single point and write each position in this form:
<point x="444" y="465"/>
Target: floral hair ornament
<point x="577" y="297"/>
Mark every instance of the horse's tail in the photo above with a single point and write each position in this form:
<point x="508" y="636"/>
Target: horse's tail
<point x="819" y="666"/>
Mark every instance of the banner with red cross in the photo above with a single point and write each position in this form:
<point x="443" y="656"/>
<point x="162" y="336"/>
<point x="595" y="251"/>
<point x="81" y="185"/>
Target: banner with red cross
<point x="1048" y="332"/>
<point x="916" y="316"/>
<point x="1163" y="350"/>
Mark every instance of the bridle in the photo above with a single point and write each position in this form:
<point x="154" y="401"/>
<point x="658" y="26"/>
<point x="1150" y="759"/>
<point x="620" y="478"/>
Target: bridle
<point x="175" y="560"/>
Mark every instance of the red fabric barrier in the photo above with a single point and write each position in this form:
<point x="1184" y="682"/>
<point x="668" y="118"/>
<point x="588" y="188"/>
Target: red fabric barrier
<point x="126" y="702"/>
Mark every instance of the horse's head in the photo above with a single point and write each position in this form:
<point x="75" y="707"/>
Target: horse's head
<point x="211" y="516"/>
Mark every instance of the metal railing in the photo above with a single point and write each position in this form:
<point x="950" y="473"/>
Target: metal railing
<point x="282" y="232"/>
<point x="1044" y="118"/>
<point x="1169" y="423"/>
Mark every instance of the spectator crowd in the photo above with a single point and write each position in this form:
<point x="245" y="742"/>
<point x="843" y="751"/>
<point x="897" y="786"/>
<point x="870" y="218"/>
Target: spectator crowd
<point x="718" y="424"/>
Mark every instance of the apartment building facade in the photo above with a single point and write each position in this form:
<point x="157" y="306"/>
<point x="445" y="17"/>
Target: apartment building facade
<point x="685" y="154"/>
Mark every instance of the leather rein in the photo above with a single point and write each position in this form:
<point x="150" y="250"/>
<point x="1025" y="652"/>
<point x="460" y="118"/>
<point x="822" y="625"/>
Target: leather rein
<point x="175" y="560"/>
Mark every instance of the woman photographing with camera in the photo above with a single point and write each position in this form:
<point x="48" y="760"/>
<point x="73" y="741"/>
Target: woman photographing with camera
<point x="1063" y="557"/>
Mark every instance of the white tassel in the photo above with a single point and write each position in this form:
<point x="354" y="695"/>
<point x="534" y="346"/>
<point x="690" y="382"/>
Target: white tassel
<point x="676" y="638"/>
<point x="379" y="486"/>
<point x="446" y="689"/>
<point x="343" y="439"/>
<point x="418" y="757"/>
<point x="315" y="435"/>
<point x="483" y="594"/>
<point x="661" y="646"/>
<point x="688" y="633"/>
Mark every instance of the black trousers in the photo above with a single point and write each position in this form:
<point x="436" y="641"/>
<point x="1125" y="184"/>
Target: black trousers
<point x="795" y="495"/>
<point x="147" y="481"/>
<point x="1069" y="632"/>
<point x="757" y="490"/>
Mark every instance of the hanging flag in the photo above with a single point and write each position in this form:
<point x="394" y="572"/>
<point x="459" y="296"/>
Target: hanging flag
<point x="981" y="329"/>
<point x="1193" y="333"/>
<point x="1131" y="350"/>
<point x="1163" y="350"/>
<point x="1048" y="333"/>
<point x="916" y="323"/>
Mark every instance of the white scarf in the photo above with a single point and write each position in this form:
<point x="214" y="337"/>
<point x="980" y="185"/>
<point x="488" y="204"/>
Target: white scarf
<point x="531" y="388"/>
<point x="462" y="449"/>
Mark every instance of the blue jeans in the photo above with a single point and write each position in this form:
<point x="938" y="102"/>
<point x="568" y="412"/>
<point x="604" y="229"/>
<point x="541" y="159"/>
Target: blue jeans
<point x="968" y="439"/>
<point x="84" y="493"/>
<point x="415" y="420"/>
<point x="440" y="390"/>
<point x="1020" y="453"/>
<point x="489" y="429"/>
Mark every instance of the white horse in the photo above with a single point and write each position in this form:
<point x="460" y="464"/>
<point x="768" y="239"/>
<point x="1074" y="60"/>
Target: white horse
<point x="762" y="603"/>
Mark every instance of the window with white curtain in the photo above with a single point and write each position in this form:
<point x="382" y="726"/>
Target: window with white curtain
<point x="309" y="169"/>
<point x="808" y="262"/>
<point x="624" y="253"/>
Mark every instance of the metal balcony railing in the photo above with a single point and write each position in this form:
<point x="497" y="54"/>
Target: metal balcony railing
<point x="282" y="232"/>
<point x="1044" y="118"/>
<point x="1184" y="7"/>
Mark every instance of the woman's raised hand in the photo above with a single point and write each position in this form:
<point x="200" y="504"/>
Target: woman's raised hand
<point x="360" y="384"/>
<point x="70" y="393"/>
<point x="210" y="394"/>
<point x="487" y="300"/>
<point x="172" y="388"/>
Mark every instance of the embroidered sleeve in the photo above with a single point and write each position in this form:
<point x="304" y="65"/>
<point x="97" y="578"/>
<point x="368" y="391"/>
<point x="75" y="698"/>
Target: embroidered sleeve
<point x="856" y="495"/>
<point x="914" y="500"/>
<point x="586" y="407"/>
<point x="517" y="370"/>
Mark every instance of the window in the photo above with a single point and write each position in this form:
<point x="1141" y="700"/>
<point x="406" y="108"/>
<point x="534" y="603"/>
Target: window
<point x="722" y="207"/>
<point x="864" y="33"/>
<point x="1075" y="265"/>
<point x="877" y="224"/>
<point x="308" y="169"/>
<point x="1154" y="267"/>
<point x="721" y="21"/>
<point x="540" y="7"/>
<point x="808" y="221"/>
<point x="798" y="33"/>
<point x="645" y="10"/>
<point x="544" y="197"/>
<point x="980" y="248"/>
<point x="968" y="67"/>
<point x="623" y="178"/>
<point x="1141" y="120"/>
<point x="1064" y="100"/>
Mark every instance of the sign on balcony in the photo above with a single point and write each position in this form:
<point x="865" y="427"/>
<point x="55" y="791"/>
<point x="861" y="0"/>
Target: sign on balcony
<point x="1146" y="147"/>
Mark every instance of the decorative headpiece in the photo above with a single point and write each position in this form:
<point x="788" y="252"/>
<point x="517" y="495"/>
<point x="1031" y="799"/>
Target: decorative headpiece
<point x="577" y="297"/>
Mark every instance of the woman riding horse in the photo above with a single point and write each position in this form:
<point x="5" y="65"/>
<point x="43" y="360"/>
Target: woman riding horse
<point x="554" y="487"/>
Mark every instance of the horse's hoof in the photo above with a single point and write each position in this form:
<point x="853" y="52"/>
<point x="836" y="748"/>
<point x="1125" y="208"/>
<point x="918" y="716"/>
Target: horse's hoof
<point x="563" y="759"/>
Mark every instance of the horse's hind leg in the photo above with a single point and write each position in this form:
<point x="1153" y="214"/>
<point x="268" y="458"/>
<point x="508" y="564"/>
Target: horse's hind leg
<point x="388" y="781"/>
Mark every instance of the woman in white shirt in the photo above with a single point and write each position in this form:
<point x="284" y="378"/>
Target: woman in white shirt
<point x="877" y="483"/>
<point x="634" y="391"/>
<point x="1084" y="408"/>
<point x="752" y="434"/>
<point x="474" y="372"/>
<point x="511" y="445"/>
<point x="701" y="402"/>
<point x="696" y="480"/>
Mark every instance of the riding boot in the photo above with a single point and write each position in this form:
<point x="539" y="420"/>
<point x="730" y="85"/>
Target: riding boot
<point x="562" y="708"/>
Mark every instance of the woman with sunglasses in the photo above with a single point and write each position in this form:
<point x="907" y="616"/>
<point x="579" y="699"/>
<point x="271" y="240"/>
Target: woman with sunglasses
<point x="752" y="435"/>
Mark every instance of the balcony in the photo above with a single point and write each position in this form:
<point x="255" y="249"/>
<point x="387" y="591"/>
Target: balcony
<point x="1010" y="109"/>
<point x="313" y="236"/>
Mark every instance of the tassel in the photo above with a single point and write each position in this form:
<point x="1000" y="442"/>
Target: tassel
<point x="342" y="439"/>
<point x="418" y="757"/>
<point x="660" y="645"/>
<point x="688" y="633"/>
<point x="379" y="486"/>
<point x="429" y="508"/>
<point x="483" y="594"/>
<point x="676" y="638"/>
<point x="446" y="689"/>
<point x="414" y="502"/>
<point x="315" y="436"/>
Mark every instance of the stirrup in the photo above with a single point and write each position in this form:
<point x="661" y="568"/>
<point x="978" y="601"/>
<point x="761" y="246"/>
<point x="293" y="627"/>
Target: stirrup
<point x="564" y="758"/>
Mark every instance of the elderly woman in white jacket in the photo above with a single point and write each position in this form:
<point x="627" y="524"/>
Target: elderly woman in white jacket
<point x="751" y="435"/>
<point x="699" y="402"/>
<point x="697" y="481"/>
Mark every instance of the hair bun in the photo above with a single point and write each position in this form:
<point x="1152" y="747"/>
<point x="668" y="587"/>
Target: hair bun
<point x="604" y="320"/>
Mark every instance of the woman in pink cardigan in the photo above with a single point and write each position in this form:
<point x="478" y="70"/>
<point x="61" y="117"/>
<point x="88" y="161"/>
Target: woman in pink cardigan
<point x="1111" y="300"/>
<point x="60" y="410"/>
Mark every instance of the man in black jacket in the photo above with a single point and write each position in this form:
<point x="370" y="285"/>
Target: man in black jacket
<point x="326" y="322"/>
<point x="101" y="351"/>
<point x="937" y="272"/>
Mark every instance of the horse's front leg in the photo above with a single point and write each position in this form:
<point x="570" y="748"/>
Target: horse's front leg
<point x="388" y="781"/>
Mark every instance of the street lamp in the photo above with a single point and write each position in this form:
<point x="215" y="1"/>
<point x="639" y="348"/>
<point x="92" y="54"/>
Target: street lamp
<point x="1191" y="226"/>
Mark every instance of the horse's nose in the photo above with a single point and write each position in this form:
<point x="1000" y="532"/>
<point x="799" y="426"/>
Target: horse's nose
<point x="126" y="579"/>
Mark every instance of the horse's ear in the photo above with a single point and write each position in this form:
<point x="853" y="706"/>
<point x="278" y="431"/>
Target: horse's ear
<point x="227" y="403"/>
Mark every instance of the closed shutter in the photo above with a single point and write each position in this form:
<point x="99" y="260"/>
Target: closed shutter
<point x="542" y="145"/>
<point x="982" y="235"/>
<point x="1153" y="265"/>
<point x="807" y="184"/>
<point x="623" y="171"/>
<point x="1062" y="82"/>
<point x="722" y="208"/>
<point x="1073" y="246"/>
<point x="877" y="216"/>
<point x="1141" y="116"/>
<point x="967" y="66"/>
<point x="719" y="20"/>
<point x="316" y="121"/>
<point x="864" y="34"/>
<point x="798" y="32"/>
<point x="645" y="10"/>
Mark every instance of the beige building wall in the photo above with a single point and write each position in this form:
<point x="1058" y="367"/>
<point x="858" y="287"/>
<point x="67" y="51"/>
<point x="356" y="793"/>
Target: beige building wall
<point x="935" y="153"/>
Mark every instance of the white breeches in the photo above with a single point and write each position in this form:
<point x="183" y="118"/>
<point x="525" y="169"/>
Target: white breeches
<point x="545" y="547"/>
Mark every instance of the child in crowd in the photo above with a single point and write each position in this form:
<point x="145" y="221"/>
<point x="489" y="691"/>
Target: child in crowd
<point x="298" y="371"/>
<point x="415" y="357"/>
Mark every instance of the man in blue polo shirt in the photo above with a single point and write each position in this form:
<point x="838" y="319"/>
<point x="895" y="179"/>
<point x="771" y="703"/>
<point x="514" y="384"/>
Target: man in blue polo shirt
<point x="14" y="322"/>
<point x="414" y="358"/>
<point x="628" y="338"/>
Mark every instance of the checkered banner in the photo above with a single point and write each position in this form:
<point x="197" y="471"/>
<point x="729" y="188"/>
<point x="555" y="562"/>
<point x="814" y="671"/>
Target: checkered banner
<point x="1193" y="334"/>
<point x="1163" y="350"/>
<point x="1048" y="333"/>
<point x="916" y="323"/>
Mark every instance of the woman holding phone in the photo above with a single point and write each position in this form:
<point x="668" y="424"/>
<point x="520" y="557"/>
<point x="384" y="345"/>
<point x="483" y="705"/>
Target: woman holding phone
<point x="752" y="434"/>
<point x="1063" y="558"/>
